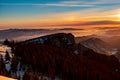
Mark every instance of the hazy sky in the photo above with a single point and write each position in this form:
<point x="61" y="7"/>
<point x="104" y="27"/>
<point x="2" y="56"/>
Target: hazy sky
<point x="41" y="13"/>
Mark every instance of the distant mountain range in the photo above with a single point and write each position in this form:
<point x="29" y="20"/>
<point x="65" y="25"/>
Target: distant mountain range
<point x="99" y="46"/>
<point x="16" y="34"/>
<point x="110" y="46"/>
<point x="83" y="38"/>
<point x="24" y="34"/>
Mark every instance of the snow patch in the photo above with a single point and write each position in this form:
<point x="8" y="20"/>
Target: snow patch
<point x="3" y="49"/>
<point x="6" y="78"/>
<point x="114" y="51"/>
<point x="8" y="66"/>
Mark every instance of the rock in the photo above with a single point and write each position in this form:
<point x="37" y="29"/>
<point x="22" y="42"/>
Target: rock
<point x="61" y="40"/>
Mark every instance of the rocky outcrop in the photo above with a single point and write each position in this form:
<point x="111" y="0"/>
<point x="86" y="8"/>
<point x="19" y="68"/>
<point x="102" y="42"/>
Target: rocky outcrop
<point x="61" y="40"/>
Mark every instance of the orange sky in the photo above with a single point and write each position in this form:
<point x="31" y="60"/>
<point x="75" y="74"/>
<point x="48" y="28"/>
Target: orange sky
<point x="59" y="18"/>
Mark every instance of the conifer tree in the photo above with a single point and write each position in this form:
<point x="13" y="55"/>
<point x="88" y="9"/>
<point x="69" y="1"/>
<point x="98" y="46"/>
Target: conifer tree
<point x="7" y="56"/>
<point x="6" y="42"/>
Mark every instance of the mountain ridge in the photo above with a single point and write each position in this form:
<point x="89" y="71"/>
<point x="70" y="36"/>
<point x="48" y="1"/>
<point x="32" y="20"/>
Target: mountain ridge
<point x="55" y="60"/>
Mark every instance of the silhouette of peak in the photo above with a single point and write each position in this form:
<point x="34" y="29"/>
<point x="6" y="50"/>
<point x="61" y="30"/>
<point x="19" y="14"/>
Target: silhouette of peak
<point x="62" y="40"/>
<point x="99" y="46"/>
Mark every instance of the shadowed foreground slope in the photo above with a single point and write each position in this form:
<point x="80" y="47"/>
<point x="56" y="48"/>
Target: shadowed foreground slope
<point x="66" y="65"/>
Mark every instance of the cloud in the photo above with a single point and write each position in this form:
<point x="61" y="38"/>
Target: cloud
<point x="114" y="32"/>
<point x="106" y="28"/>
<point x="92" y="12"/>
<point x="67" y="29"/>
<point x="59" y="4"/>
<point x="96" y="14"/>
<point x="92" y="23"/>
<point x="75" y="3"/>
<point x="102" y="22"/>
<point x="94" y="2"/>
<point x="106" y="2"/>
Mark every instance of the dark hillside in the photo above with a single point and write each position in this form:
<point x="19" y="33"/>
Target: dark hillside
<point x="66" y="65"/>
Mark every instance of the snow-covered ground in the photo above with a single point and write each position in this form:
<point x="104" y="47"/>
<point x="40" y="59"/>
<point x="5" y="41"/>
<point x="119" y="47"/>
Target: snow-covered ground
<point x="19" y="72"/>
<point x="6" y="78"/>
<point x="3" y="49"/>
<point x="114" y="51"/>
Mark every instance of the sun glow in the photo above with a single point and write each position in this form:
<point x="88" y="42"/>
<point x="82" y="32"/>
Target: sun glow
<point x="118" y="17"/>
<point x="114" y="17"/>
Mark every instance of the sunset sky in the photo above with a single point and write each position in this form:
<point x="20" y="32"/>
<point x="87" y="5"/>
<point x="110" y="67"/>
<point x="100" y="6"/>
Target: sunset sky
<point x="47" y="13"/>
